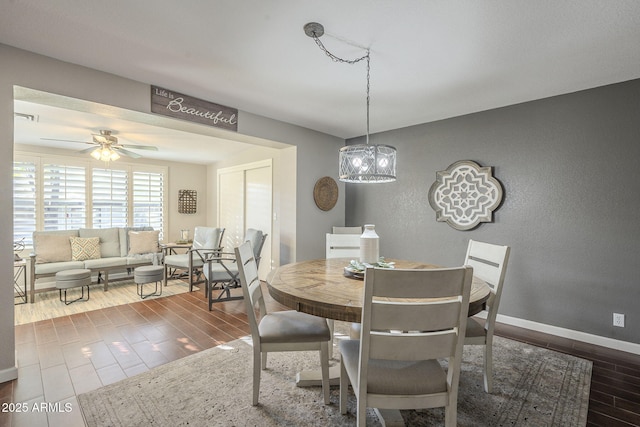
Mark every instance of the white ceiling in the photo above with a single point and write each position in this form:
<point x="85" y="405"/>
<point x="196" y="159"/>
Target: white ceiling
<point x="429" y="59"/>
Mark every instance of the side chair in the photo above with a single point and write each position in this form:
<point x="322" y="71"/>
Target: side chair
<point x="394" y="364"/>
<point x="281" y="330"/>
<point x="489" y="263"/>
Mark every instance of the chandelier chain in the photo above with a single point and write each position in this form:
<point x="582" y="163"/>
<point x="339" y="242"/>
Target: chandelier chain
<point x="335" y="58"/>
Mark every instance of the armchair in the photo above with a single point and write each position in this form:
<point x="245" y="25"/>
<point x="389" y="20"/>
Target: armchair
<point x="206" y="243"/>
<point x="221" y="270"/>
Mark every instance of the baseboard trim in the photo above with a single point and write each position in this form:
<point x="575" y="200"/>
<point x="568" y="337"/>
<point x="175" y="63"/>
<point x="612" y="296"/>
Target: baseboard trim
<point x="8" y="374"/>
<point x="571" y="334"/>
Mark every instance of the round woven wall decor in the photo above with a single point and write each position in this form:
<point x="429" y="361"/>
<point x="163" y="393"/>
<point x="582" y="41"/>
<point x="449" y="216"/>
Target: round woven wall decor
<point x="325" y="193"/>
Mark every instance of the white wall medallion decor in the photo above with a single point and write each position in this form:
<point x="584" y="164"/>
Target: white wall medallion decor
<point x="465" y="195"/>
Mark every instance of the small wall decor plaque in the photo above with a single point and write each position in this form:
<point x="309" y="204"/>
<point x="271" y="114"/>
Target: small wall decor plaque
<point x="187" y="201"/>
<point x="465" y="195"/>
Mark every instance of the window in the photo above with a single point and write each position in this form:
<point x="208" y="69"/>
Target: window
<point x="58" y="193"/>
<point x="64" y="197"/>
<point x="148" y="199"/>
<point x="24" y="200"/>
<point x="110" y="198"/>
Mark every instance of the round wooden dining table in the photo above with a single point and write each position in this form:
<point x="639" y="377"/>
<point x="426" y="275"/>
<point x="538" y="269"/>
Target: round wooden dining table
<point x="320" y="287"/>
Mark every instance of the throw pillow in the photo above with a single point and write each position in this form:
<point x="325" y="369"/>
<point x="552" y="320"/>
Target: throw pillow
<point x="109" y="240"/>
<point x="143" y="242"/>
<point x="52" y="248"/>
<point x="83" y="249"/>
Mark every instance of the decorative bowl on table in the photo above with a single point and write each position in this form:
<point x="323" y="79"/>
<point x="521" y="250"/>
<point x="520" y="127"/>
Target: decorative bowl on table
<point x="356" y="269"/>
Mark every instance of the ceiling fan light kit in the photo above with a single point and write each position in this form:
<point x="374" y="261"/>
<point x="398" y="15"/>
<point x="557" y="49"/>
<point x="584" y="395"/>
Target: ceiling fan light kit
<point x="359" y="163"/>
<point x="105" y="153"/>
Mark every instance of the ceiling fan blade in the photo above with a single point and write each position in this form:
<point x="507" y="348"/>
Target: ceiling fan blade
<point x="87" y="150"/>
<point x="67" y="140"/>
<point x="128" y="153"/>
<point x="140" y="147"/>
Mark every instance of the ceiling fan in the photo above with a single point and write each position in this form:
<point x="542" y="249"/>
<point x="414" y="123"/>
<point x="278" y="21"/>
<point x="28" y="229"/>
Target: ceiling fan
<point x="105" y="146"/>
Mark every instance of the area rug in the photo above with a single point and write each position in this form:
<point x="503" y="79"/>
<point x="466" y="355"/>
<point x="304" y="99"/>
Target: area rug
<point x="47" y="305"/>
<point x="532" y="387"/>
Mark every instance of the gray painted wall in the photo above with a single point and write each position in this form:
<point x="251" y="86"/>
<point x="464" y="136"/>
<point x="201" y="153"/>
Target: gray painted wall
<point x="316" y="157"/>
<point x="569" y="168"/>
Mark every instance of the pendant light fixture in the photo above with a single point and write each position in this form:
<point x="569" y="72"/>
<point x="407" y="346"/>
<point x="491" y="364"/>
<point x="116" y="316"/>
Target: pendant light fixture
<point x="360" y="163"/>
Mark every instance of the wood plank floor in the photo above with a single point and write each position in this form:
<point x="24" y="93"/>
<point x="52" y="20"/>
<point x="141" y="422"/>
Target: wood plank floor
<point x="63" y="357"/>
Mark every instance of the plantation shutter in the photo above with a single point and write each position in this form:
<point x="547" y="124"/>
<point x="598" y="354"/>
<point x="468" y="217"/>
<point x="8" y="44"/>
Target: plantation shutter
<point x="64" y="199"/>
<point x="110" y="198"/>
<point x="148" y="200"/>
<point x="24" y="201"/>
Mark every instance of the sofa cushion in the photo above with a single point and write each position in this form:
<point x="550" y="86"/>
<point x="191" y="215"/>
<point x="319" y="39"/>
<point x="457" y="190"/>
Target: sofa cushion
<point x="54" y="267"/>
<point x="52" y="247"/>
<point x="96" y="264"/>
<point x="109" y="240"/>
<point x="143" y="242"/>
<point x="82" y="249"/>
<point x="124" y="237"/>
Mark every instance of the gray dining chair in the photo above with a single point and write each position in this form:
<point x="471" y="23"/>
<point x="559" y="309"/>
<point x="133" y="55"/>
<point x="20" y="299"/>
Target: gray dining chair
<point x="281" y="330"/>
<point x="206" y="242"/>
<point x="395" y="363"/>
<point x="489" y="263"/>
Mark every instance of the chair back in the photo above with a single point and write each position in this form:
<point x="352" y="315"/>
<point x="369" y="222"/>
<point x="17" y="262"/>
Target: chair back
<point x="489" y="263"/>
<point x="347" y="230"/>
<point x="207" y="238"/>
<point x="250" y="283"/>
<point x="257" y="239"/>
<point x="396" y="327"/>
<point x="343" y="246"/>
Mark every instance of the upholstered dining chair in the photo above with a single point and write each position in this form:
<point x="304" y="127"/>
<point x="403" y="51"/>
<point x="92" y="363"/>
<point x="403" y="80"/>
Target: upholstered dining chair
<point x="394" y="364"/>
<point x="206" y="242"/>
<point x="221" y="269"/>
<point x="489" y="263"/>
<point x="280" y="330"/>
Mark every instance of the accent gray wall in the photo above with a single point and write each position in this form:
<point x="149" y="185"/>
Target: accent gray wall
<point x="569" y="167"/>
<point x="316" y="157"/>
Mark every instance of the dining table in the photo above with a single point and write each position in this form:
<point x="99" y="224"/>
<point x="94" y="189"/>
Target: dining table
<point x="333" y="289"/>
<point x="325" y="288"/>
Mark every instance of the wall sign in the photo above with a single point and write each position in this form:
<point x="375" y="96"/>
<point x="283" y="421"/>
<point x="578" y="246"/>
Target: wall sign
<point x="465" y="195"/>
<point x="176" y="105"/>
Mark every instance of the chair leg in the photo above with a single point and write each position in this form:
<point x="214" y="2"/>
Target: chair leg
<point x="256" y="375"/>
<point x="344" y="388"/>
<point x="488" y="366"/>
<point x="450" y="415"/>
<point x="324" y="364"/>
<point x="264" y="360"/>
<point x="361" y="414"/>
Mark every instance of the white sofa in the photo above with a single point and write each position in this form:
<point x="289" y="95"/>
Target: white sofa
<point x="99" y="250"/>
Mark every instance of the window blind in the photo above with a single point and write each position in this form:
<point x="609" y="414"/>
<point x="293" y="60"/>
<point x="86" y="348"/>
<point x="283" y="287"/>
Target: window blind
<point x="24" y="201"/>
<point x="148" y="200"/>
<point x="64" y="197"/>
<point x="110" y="201"/>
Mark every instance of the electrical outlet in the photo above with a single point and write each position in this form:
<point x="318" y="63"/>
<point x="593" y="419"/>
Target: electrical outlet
<point x="618" y="320"/>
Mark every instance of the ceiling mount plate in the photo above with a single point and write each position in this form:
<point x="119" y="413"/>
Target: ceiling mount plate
<point x="313" y="29"/>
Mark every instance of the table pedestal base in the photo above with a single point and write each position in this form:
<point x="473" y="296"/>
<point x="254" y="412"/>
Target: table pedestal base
<point x="314" y="378"/>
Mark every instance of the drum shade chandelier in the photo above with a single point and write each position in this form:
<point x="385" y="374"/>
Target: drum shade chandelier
<point x="360" y="163"/>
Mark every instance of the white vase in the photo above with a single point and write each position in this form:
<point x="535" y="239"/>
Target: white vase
<point x="369" y="245"/>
